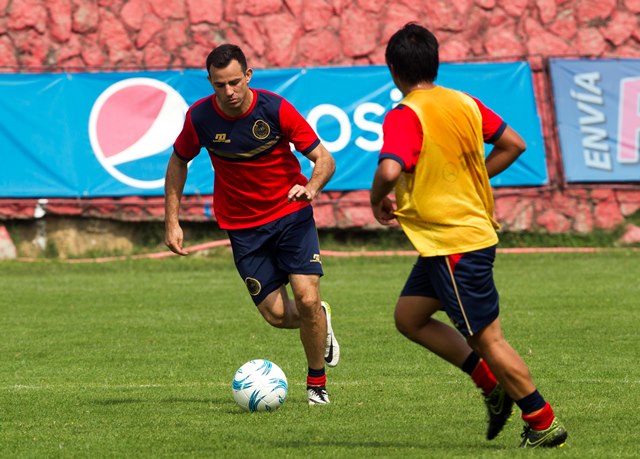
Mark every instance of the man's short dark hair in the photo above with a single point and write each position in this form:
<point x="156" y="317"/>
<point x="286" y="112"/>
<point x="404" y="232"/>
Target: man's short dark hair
<point x="413" y="53"/>
<point x="222" y="56"/>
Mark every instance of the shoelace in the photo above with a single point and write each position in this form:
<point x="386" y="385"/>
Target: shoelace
<point x="322" y="393"/>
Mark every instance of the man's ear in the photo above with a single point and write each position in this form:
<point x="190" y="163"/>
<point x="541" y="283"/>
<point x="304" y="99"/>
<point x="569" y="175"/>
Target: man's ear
<point x="248" y="74"/>
<point x="394" y="77"/>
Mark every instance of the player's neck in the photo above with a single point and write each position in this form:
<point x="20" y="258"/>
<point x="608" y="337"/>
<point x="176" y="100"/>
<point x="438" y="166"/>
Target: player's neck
<point x="423" y="85"/>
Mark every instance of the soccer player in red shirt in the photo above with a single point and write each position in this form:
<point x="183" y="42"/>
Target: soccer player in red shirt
<point x="433" y="154"/>
<point x="263" y="201"/>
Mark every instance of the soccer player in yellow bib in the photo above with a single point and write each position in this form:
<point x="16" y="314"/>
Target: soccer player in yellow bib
<point x="433" y="155"/>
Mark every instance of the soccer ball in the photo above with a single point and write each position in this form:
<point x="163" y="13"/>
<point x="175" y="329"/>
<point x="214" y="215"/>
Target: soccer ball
<point x="260" y="385"/>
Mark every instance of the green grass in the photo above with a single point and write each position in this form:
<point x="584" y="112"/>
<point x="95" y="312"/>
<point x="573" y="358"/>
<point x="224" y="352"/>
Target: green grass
<point x="395" y="239"/>
<point x="136" y="358"/>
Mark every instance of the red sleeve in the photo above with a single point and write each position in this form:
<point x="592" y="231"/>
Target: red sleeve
<point x="298" y="130"/>
<point x="492" y="125"/>
<point x="402" y="139"/>
<point x="187" y="145"/>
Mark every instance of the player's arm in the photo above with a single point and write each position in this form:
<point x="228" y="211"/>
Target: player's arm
<point x="401" y="148"/>
<point x="384" y="180"/>
<point x="323" y="168"/>
<point x="505" y="151"/>
<point x="175" y="179"/>
<point x="306" y="141"/>
<point x="186" y="147"/>
<point x="508" y="144"/>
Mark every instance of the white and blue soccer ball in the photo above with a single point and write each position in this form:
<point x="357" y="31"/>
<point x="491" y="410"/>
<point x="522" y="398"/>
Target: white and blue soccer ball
<point x="260" y="385"/>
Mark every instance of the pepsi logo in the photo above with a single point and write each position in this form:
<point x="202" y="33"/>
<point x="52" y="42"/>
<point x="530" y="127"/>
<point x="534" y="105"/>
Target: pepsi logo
<point x="132" y="127"/>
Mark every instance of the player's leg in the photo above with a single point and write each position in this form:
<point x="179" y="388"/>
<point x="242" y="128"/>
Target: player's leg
<point x="413" y="318"/>
<point x="313" y="332"/>
<point x="543" y="428"/>
<point x="464" y="284"/>
<point x="414" y="312"/>
<point x="313" y="322"/>
<point x="279" y="310"/>
<point x="474" y="308"/>
<point x="298" y="253"/>
<point x="266" y="282"/>
<point x="506" y="363"/>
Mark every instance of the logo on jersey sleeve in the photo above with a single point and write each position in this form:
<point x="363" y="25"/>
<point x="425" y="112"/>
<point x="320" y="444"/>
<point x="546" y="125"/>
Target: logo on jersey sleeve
<point x="261" y="130"/>
<point x="132" y="127"/>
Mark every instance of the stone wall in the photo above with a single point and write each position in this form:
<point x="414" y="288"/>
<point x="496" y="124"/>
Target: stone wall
<point x="71" y="35"/>
<point x="90" y="34"/>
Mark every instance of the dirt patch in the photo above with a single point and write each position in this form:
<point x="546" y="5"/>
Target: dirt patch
<point x="62" y="237"/>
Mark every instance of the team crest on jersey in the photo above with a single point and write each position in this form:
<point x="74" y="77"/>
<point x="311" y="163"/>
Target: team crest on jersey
<point x="253" y="285"/>
<point x="261" y="130"/>
<point x="450" y="172"/>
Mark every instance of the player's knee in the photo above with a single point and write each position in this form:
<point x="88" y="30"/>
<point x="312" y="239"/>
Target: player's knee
<point x="487" y="345"/>
<point x="404" y="325"/>
<point x="308" y="304"/>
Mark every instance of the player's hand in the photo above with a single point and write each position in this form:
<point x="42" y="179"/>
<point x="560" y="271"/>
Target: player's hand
<point x="300" y="193"/>
<point x="384" y="211"/>
<point x="173" y="239"/>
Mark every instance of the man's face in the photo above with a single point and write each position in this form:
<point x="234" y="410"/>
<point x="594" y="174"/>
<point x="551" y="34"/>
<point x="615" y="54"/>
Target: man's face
<point x="231" y="86"/>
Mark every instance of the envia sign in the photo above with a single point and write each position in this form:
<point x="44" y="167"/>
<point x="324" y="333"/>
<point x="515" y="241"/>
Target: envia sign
<point x="598" y="116"/>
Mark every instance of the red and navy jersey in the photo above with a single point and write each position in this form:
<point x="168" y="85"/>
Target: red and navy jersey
<point x="253" y="162"/>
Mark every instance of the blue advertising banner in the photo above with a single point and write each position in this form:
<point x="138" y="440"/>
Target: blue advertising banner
<point x="111" y="134"/>
<point x="598" y="115"/>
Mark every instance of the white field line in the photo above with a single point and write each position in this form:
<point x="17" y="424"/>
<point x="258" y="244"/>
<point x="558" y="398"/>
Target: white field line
<point x="37" y="387"/>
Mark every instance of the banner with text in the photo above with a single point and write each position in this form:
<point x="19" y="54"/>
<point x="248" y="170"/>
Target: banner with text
<point x="111" y="134"/>
<point x="598" y="115"/>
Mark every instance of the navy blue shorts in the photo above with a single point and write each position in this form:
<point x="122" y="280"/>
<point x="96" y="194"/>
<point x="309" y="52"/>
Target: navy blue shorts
<point x="267" y="254"/>
<point x="464" y="285"/>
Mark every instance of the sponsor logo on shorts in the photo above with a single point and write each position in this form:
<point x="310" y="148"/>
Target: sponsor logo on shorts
<point x="261" y="130"/>
<point x="253" y="285"/>
<point x="316" y="258"/>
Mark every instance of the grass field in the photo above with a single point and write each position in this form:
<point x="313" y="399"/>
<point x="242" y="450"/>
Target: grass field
<point x="136" y="358"/>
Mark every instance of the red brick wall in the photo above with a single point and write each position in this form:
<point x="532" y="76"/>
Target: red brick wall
<point x="54" y="35"/>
